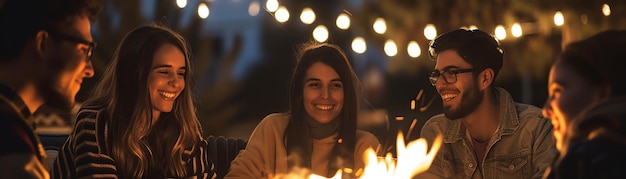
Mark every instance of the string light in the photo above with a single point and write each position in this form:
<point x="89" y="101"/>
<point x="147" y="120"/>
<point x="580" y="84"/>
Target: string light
<point x="430" y="32"/>
<point x="358" y="45"/>
<point x="559" y="20"/>
<point x="380" y="26"/>
<point x="320" y="33"/>
<point x="343" y="21"/>
<point x="203" y="10"/>
<point x="390" y="48"/>
<point x="500" y="32"/>
<point x="307" y="16"/>
<point x="413" y="49"/>
<point x="181" y="3"/>
<point x="516" y="30"/>
<point x="606" y="10"/>
<point x="282" y="15"/>
<point x="271" y="5"/>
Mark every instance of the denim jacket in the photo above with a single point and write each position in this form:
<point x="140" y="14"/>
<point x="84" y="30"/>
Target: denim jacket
<point x="521" y="147"/>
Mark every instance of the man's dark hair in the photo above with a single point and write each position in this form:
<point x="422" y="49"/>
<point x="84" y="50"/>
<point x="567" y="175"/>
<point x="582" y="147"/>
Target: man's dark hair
<point x="476" y="47"/>
<point x="22" y="19"/>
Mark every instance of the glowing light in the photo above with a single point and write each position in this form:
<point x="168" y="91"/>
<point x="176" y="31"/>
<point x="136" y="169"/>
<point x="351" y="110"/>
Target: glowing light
<point x="430" y="32"/>
<point x="271" y="5"/>
<point x="606" y="10"/>
<point x="472" y="27"/>
<point x="412" y="159"/>
<point x="307" y="16"/>
<point x="343" y="21"/>
<point x="558" y="18"/>
<point x="414" y="51"/>
<point x="516" y="30"/>
<point x="203" y="10"/>
<point x="380" y="26"/>
<point x="282" y="15"/>
<point x="254" y="8"/>
<point x="500" y="32"/>
<point x="412" y="105"/>
<point x="320" y="33"/>
<point x="358" y="45"/>
<point x="390" y="48"/>
<point x="181" y="3"/>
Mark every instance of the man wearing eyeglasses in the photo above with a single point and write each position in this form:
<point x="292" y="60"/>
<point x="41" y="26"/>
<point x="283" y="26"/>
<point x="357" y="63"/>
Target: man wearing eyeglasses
<point x="486" y="134"/>
<point x="45" y="53"/>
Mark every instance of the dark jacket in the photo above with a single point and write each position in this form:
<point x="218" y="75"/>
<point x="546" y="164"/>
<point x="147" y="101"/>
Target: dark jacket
<point x="597" y="145"/>
<point x="16" y="131"/>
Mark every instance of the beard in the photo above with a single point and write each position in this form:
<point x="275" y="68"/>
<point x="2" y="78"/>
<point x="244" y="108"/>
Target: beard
<point x="469" y="102"/>
<point x="52" y="87"/>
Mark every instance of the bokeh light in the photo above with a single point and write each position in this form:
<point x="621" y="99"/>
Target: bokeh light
<point x="390" y="48"/>
<point x="559" y="20"/>
<point x="203" y="10"/>
<point x="320" y="33"/>
<point x="500" y="32"/>
<point x="282" y="15"/>
<point x="380" y="26"/>
<point x="307" y="16"/>
<point x="358" y="45"/>
<point x="430" y="32"/>
<point x="343" y="21"/>
<point x="413" y="49"/>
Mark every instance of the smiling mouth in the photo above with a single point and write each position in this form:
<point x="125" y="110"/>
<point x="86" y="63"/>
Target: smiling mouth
<point x="167" y="95"/>
<point x="448" y="97"/>
<point x="324" y="107"/>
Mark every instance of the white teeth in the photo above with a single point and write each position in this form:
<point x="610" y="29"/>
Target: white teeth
<point x="167" y="95"/>
<point x="448" y="97"/>
<point x="324" y="107"/>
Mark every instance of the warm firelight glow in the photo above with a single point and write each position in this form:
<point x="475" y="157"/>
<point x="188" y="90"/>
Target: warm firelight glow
<point x="412" y="160"/>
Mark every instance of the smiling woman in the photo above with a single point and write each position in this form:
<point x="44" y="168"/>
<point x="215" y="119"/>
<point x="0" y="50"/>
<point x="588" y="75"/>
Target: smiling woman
<point x="319" y="133"/>
<point x="141" y="122"/>
<point x="587" y="106"/>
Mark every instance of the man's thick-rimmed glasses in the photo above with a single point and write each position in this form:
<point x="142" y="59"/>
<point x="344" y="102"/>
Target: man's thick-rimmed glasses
<point x="449" y="76"/>
<point x="90" y="44"/>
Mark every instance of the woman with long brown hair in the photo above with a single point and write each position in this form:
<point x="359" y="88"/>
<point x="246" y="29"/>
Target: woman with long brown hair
<point x="319" y="133"/>
<point x="142" y="122"/>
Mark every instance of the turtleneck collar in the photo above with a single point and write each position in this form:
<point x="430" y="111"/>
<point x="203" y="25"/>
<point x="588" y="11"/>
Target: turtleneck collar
<point x="320" y="130"/>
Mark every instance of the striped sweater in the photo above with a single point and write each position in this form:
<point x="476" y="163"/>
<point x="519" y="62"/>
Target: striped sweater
<point x="85" y="153"/>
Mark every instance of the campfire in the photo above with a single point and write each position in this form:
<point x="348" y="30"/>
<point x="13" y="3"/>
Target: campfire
<point x="412" y="159"/>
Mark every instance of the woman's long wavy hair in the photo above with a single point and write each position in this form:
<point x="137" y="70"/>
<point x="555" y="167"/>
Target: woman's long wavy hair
<point x="342" y="155"/>
<point x="140" y="149"/>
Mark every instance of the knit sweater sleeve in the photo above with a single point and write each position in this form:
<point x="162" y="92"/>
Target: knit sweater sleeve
<point x="265" y="153"/>
<point x="84" y="155"/>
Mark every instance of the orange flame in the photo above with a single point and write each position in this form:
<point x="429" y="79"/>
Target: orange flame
<point x="412" y="159"/>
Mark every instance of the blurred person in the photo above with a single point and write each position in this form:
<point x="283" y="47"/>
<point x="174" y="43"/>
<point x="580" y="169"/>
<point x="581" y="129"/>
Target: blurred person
<point x="142" y="122"/>
<point x="587" y="107"/>
<point x="486" y="133"/>
<point x="319" y="133"/>
<point x="45" y="54"/>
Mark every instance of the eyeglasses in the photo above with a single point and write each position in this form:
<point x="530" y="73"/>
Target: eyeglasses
<point x="90" y="44"/>
<point x="449" y="76"/>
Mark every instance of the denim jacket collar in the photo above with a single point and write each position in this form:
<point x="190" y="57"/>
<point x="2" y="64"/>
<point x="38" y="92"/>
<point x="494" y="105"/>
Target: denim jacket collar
<point x="508" y="125"/>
